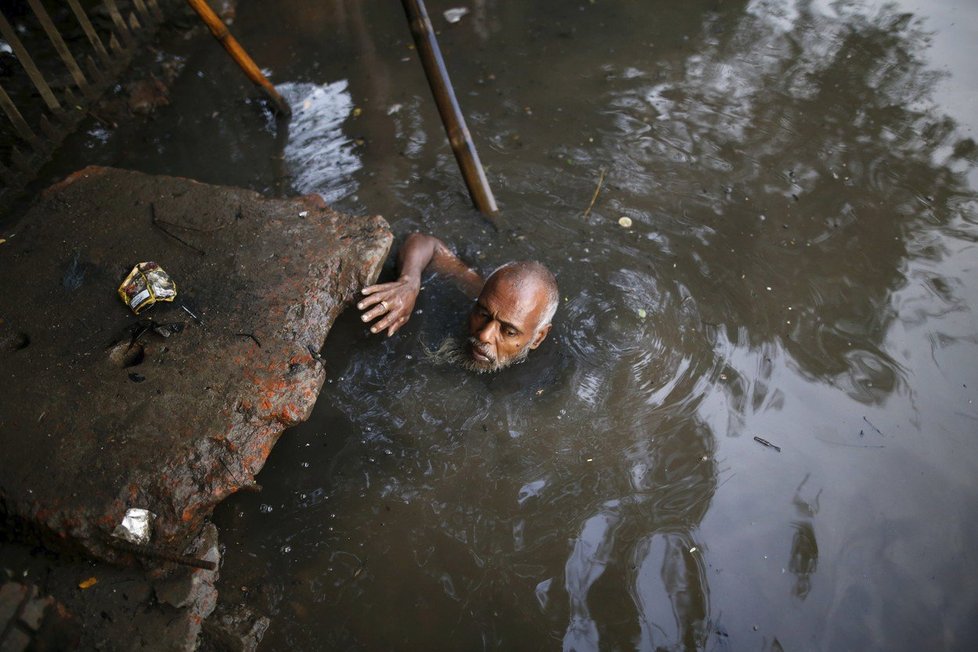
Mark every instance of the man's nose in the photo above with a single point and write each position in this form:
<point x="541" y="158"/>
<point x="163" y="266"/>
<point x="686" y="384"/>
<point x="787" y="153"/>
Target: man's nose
<point x="485" y="334"/>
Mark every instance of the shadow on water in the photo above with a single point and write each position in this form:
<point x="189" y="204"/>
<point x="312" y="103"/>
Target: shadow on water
<point x="792" y="189"/>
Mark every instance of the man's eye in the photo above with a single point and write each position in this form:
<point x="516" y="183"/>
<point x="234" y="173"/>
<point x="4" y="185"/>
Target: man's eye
<point x="510" y="332"/>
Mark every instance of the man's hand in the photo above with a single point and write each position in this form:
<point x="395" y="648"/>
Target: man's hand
<point x="394" y="302"/>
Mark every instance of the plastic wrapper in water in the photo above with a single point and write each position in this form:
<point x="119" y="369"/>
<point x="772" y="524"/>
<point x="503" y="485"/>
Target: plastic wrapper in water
<point x="454" y="15"/>
<point x="146" y="284"/>
<point x="136" y="526"/>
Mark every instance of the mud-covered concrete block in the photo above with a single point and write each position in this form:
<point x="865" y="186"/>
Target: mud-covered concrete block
<point x="12" y="595"/>
<point x="32" y="615"/>
<point x="175" y="423"/>
<point x="30" y="621"/>
<point x="237" y="629"/>
<point x="193" y="588"/>
<point x="15" y="641"/>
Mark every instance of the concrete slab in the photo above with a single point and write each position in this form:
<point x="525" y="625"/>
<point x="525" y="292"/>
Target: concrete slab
<point x="98" y="411"/>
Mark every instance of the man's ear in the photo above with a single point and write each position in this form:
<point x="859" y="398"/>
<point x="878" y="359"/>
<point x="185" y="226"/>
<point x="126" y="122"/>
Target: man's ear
<point x="540" y="336"/>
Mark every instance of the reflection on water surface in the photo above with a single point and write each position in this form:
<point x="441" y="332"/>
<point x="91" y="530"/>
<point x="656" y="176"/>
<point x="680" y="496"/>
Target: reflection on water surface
<point x="799" y="268"/>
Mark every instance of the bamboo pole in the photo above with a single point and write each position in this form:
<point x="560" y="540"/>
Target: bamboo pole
<point x="142" y="10"/>
<point x="451" y="114"/>
<point x="90" y="32"/>
<point x="119" y="22"/>
<point x="9" y="35"/>
<point x="15" y="117"/>
<point x="247" y="65"/>
<point x="61" y="47"/>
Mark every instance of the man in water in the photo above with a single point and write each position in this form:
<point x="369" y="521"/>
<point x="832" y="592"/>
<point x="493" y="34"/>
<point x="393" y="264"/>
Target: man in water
<point x="511" y="316"/>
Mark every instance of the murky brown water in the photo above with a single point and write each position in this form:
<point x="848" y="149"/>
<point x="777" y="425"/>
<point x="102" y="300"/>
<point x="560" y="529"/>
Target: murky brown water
<point x="801" y="266"/>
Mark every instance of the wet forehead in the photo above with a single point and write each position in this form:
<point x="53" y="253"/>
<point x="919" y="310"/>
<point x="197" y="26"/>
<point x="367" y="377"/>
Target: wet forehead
<point x="519" y="302"/>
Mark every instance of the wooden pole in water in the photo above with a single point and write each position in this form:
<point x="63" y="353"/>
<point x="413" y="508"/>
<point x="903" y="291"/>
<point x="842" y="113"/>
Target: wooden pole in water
<point x="448" y="108"/>
<point x="247" y="65"/>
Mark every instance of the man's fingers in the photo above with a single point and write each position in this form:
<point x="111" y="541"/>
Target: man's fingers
<point x="383" y="323"/>
<point x="379" y="309"/>
<point x="380" y="287"/>
<point x="370" y="300"/>
<point x="396" y="326"/>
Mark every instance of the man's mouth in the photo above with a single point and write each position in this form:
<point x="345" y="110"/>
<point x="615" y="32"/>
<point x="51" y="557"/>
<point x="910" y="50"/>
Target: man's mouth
<point x="480" y="354"/>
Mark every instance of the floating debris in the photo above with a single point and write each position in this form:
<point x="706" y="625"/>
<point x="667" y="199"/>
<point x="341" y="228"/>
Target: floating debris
<point x="87" y="584"/>
<point x="456" y="14"/>
<point x="873" y="426"/>
<point x="626" y="222"/>
<point x="594" y="197"/>
<point x="764" y="442"/>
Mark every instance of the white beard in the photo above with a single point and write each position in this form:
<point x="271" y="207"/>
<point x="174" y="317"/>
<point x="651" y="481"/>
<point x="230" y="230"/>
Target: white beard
<point x="453" y="351"/>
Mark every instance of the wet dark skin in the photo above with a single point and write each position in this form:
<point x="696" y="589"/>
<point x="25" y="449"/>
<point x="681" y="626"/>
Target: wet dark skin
<point x="504" y="321"/>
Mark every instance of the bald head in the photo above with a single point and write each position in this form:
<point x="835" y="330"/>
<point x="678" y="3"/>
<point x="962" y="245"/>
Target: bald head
<point x="530" y="278"/>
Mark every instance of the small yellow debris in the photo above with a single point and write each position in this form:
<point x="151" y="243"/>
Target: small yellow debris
<point x="2" y="240"/>
<point x="642" y="314"/>
<point x="87" y="584"/>
<point x="357" y="111"/>
<point x="625" y="222"/>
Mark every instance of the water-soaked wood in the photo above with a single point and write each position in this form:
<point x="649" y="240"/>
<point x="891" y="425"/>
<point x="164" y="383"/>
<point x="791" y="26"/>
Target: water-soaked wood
<point x="21" y="160"/>
<point x="220" y="32"/>
<point x="98" y="77"/>
<point x="155" y="9"/>
<point x="60" y="47"/>
<point x="16" y="119"/>
<point x="448" y="107"/>
<point x="119" y="23"/>
<point x="116" y="47"/>
<point x="143" y="11"/>
<point x="50" y="131"/>
<point x="27" y="62"/>
<point x="90" y="32"/>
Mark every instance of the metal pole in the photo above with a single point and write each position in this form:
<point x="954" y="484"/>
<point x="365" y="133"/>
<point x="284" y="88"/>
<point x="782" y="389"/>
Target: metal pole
<point x="247" y="65"/>
<point x="448" y="108"/>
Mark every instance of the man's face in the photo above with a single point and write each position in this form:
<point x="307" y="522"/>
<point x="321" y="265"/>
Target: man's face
<point x="504" y="324"/>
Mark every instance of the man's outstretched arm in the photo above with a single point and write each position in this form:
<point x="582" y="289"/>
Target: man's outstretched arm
<point x="394" y="301"/>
